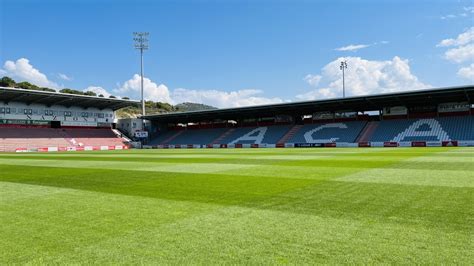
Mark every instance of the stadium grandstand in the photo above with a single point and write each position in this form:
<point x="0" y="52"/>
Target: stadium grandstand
<point x="435" y="117"/>
<point x="33" y="120"/>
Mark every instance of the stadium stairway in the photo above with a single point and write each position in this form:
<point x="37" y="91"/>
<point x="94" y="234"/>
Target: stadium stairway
<point x="431" y="129"/>
<point x="71" y="141"/>
<point x="328" y="132"/>
<point x="399" y="130"/>
<point x="91" y="137"/>
<point x="198" y="136"/>
<point x="290" y="134"/>
<point x="172" y="137"/>
<point x="368" y="131"/>
<point x="12" y="138"/>
<point x="223" y="136"/>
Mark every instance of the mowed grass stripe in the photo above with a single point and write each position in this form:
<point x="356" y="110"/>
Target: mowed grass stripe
<point x="193" y="164"/>
<point x="207" y="188"/>
<point x="292" y="195"/>
<point x="145" y="230"/>
<point x="286" y="211"/>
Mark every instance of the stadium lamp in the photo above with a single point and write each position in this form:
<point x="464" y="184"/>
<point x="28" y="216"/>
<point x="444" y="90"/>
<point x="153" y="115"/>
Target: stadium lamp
<point x="343" y="67"/>
<point x="141" y="43"/>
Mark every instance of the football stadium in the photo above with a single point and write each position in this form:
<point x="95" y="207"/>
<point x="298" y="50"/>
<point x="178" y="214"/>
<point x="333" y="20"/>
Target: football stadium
<point x="261" y="133"/>
<point x="375" y="179"/>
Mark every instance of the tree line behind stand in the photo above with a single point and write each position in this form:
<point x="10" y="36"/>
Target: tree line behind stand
<point x="151" y="107"/>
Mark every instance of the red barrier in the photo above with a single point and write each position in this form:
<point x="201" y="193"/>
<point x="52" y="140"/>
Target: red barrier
<point x="364" y="144"/>
<point x="254" y="146"/>
<point x="62" y="148"/>
<point x="418" y="144"/>
<point x="223" y="145"/>
<point x="451" y="143"/>
<point x="280" y="145"/>
<point x="79" y="148"/>
<point x="390" y="144"/>
<point x="190" y="146"/>
<point x="238" y="145"/>
<point x="330" y="145"/>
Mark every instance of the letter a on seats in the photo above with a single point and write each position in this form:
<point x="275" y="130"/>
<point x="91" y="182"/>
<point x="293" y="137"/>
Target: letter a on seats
<point x="255" y="135"/>
<point x="413" y="131"/>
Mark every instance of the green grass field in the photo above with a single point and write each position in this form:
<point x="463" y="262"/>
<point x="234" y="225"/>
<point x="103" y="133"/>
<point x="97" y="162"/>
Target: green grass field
<point x="252" y="206"/>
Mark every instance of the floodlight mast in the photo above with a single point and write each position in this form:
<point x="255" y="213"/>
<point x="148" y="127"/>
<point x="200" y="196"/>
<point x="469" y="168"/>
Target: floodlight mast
<point x="141" y="43"/>
<point x="343" y="67"/>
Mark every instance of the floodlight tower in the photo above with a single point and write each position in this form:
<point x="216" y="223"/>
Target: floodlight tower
<point x="141" y="43"/>
<point x="343" y="67"/>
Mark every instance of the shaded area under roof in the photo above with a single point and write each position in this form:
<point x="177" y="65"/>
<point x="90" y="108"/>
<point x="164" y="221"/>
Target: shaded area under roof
<point x="55" y="98"/>
<point x="348" y="104"/>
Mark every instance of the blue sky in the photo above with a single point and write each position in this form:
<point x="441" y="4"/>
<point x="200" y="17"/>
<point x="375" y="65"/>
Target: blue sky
<point x="234" y="53"/>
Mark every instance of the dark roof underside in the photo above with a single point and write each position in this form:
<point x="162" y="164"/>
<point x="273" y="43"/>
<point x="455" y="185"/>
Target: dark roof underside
<point x="350" y="104"/>
<point x="64" y="99"/>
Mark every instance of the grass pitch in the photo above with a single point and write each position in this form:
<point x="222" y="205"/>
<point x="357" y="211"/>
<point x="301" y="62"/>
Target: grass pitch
<point x="252" y="206"/>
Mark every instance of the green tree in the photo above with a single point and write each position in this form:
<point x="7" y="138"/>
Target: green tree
<point x="27" y="86"/>
<point x="47" y="89"/>
<point x="7" y="82"/>
<point x="71" y="91"/>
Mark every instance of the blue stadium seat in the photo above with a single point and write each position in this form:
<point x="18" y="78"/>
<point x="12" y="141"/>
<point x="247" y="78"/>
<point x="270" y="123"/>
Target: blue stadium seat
<point x="271" y="135"/>
<point x="329" y="132"/>
<point x="431" y="129"/>
<point x="198" y="136"/>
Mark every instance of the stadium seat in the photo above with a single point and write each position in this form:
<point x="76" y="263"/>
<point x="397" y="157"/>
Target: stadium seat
<point x="329" y="132"/>
<point x="431" y="129"/>
<point x="426" y="129"/>
<point x="33" y="138"/>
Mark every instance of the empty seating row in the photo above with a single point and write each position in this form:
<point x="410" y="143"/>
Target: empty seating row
<point x="429" y="129"/>
<point x="31" y="138"/>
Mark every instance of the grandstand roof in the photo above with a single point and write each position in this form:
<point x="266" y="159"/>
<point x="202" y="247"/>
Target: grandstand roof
<point x="348" y="104"/>
<point x="56" y="98"/>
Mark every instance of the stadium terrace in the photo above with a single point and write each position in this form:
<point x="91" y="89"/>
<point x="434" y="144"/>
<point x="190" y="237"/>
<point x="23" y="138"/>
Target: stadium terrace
<point x="47" y="121"/>
<point x="432" y="117"/>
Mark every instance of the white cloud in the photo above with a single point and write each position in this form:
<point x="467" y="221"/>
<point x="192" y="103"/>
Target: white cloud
<point x="461" y="54"/>
<point x="468" y="9"/>
<point x="467" y="72"/>
<point x="352" y="47"/>
<point x="365" y="77"/>
<point x="461" y="50"/>
<point x="151" y="90"/>
<point x="355" y="47"/>
<point x="450" y="16"/>
<point x="462" y="39"/>
<point x="223" y="98"/>
<point x="98" y="90"/>
<point x="22" y="70"/>
<point x="312" y="80"/>
<point x="64" y="77"/>
<point x="217" y="98"/>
